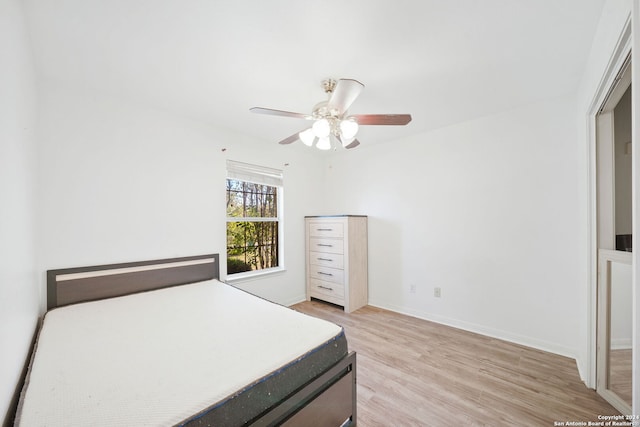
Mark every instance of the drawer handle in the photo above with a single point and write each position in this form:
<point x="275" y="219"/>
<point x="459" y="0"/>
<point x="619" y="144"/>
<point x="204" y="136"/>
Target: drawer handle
<point x="325" y="245"/>
<point x="325" y="229"/>
<point x="325" y="287"/>
<point x="325" y="274"/>
<point x="325" y="259"/>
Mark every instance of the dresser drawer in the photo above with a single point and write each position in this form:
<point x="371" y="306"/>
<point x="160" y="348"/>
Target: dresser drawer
<point x="327" y="260"/>
<point x="326" y="229"/>
<point x="327" y="291"/>
<point x="326" y="274"/>
<point x="331" y="246"/>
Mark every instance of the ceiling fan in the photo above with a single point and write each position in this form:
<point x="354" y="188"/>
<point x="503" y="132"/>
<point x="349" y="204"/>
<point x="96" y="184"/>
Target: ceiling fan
<point x="332" y="125"/>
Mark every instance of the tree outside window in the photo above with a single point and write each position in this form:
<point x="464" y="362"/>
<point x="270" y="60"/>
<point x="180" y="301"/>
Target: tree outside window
<point x="252" y="226"/>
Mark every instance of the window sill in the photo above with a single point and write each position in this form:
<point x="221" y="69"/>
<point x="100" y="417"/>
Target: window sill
<point x="253" y="275"/>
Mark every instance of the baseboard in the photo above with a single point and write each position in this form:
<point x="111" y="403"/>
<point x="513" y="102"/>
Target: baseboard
<point x="483" y="330"/>
<point x="582" y="372"/>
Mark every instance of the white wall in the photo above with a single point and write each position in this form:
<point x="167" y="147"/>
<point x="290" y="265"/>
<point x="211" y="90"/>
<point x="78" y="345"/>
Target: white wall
<point x="122" y="183"/>
<point x="485" y="210"/>
<point x="19" y="293"/>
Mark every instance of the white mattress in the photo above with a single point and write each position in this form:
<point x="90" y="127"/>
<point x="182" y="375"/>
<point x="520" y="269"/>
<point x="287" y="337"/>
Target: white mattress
<point x="158" y="357"/>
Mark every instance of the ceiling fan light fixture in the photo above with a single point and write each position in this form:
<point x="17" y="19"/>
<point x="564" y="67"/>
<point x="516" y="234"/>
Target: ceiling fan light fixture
<point x="331" y="126"/>
<point x="321" y="128"/>
<point x="348" y="128"/>
<point x="324" y="143"/>
<point x="307" y="137"/>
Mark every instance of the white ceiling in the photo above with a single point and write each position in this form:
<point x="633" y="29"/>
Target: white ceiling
<point x="443" y="61"/>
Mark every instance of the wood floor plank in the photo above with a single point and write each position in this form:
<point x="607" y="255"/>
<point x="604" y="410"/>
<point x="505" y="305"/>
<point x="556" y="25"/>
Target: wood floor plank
<point x="412" y="372"/>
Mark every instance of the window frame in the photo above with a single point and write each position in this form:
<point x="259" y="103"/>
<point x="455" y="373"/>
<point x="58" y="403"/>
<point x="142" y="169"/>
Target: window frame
<point x="263" y="176"/>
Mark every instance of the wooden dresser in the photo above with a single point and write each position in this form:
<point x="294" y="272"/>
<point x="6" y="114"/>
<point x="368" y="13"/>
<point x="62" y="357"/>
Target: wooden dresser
<point x="336" y="255"/>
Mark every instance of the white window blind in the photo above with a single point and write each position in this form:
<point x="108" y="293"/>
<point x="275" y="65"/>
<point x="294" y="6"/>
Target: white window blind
<point x="253" y="173"/>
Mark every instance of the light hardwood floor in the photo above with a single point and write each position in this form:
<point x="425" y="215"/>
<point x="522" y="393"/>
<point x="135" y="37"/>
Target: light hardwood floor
<point x="412" y="372"/>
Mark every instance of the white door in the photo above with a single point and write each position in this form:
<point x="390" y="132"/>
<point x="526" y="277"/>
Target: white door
<point x="614" y="229"/>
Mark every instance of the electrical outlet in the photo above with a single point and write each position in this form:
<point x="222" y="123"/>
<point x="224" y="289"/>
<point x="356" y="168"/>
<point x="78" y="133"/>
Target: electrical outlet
<point x="412" y="288"/>
<point x="437" y="292"/>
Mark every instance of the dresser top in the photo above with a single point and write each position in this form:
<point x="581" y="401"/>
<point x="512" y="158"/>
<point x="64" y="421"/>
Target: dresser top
<point x="335" y="216"/>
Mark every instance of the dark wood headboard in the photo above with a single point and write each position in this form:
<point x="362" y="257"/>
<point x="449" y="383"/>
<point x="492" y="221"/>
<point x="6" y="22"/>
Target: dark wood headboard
<point x="72" y="285"/>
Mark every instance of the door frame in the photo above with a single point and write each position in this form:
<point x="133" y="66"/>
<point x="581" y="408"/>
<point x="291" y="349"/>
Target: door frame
<point x="604" y="91"/>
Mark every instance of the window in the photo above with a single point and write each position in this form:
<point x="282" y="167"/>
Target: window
<point x="254" y="198"/>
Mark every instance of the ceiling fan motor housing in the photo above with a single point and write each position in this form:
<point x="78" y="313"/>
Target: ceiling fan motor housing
<point x="322" y="111"/>
<point x="328" y="85"/>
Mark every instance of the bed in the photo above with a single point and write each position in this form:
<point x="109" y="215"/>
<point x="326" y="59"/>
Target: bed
<point x="164" y="342"/>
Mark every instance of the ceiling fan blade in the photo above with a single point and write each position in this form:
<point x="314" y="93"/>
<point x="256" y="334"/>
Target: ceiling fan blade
<point x="343" y="95"/>
<point x="352" y="144"/>
<point x="383" y="119"/>
<point x="273" y="112"/>
<point x="291" y="139"/>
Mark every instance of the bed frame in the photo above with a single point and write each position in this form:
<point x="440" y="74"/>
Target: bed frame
<point x="335" y="388"/>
